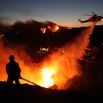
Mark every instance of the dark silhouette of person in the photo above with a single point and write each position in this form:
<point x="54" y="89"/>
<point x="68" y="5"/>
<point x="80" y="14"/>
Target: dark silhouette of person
<point x="13" y="70"/>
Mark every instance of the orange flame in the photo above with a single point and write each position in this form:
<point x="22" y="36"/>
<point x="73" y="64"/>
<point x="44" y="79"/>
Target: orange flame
<point x="53" y="28"/>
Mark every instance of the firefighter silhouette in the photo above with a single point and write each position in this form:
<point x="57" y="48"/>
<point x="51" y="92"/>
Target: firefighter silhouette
<point x="13" y="71"/>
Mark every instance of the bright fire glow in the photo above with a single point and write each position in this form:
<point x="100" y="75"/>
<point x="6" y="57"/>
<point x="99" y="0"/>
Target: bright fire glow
<point x="47" y="77"/>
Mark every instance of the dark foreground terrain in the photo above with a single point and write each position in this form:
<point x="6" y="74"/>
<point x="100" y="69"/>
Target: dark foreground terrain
<point x="34" y="94"/>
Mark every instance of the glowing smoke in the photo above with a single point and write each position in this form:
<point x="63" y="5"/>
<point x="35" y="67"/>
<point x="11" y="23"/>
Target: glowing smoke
<point x="64" y="62"/>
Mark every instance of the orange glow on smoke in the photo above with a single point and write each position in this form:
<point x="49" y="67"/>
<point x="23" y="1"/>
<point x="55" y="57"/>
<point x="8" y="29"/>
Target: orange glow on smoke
<point x="58" y="69"/>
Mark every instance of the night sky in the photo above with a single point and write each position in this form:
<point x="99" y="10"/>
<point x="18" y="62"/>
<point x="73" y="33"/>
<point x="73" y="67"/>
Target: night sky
<point x="62" y="12"/>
